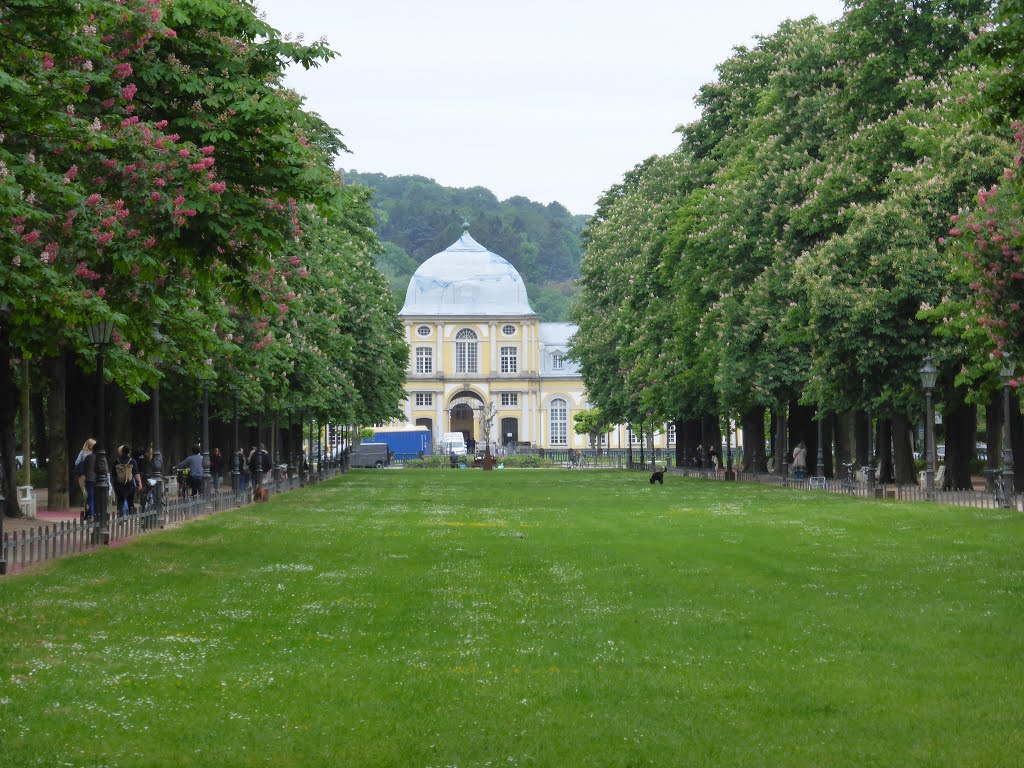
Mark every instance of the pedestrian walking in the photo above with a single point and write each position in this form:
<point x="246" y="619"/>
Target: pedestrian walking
<point x="85" y="473"/>
<point x="216" y="468"/>
<point x="126" y="480"/>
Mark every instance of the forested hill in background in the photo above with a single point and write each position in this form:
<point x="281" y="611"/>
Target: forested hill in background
<point x="417" y="217"/>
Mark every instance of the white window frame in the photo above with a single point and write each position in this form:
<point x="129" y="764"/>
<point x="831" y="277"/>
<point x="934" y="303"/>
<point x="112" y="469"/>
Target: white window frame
<point x="558" y="421"/>
<point x="424" y="399"/>
<point x="557" y="361"/>
<point x="424" y="360"/>
<point x="670" y="431"/>
<point x="509" y="359"/>
<point x="509" y="399"/>
<point x="466" y="347"/>
<point x="423" y="330"/>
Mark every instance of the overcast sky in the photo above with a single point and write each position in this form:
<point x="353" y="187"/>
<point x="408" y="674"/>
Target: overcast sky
<point x="549" y="99"/>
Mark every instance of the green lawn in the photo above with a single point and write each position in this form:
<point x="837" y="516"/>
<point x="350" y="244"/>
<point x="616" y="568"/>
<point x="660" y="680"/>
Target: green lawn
<point x="528" y="617"/>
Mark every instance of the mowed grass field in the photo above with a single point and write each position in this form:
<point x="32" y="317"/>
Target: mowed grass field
<point x="528" y="618"/>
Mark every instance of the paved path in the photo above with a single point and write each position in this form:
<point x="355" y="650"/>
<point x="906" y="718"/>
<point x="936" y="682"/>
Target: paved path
<point x="44" y="516"/>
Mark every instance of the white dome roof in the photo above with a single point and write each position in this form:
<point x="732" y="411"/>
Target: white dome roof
<point x="466" y="279"/>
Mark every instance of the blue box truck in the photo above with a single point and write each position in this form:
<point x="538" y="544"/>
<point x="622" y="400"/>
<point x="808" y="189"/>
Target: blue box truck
<point x="406" y="442"/>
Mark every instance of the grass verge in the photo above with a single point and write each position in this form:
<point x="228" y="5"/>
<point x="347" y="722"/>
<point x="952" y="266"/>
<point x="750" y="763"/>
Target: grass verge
<point x="396" y="618"/>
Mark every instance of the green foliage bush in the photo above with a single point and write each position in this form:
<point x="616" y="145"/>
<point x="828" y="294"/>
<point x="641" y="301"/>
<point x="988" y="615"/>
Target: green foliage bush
<point x="428" y="462"/>
<point x="531" y="461"/>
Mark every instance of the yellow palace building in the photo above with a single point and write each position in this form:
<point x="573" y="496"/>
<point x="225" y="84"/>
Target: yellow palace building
<point x="475" y="343"/>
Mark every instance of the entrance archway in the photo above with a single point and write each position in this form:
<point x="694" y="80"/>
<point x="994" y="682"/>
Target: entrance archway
<point x="461" y="420"/>
<point x="462" y="409"/>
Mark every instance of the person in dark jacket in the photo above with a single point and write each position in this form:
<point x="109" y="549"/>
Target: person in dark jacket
<point x="259" y="465"/>
<point x="193" y="465"/>
<point x="126" y="479"/>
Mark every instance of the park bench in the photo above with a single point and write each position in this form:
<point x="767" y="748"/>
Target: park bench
<point x="940" y="476"/>
<point x="27" y="500"/>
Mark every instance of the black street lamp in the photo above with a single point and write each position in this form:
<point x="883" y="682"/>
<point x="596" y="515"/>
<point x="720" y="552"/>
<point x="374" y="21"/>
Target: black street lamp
<point x="277" y="452"/>
<point x="158" y="463"/>
<point x="929" y="375"/>
<point x="1006" y="371"/>
<point x="100" y="332"/>
<point x="729" y="475"/>
<point x="784" y="438"/>
<point x="204" y="379"/>
<point x="235" y="468"/>
<point x="821" y="445"/>
<point x="869" y="470"/>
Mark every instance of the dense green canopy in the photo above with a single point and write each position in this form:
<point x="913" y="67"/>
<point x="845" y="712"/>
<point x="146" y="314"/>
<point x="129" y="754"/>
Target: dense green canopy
<point x="793" y="248"/>
<point x="154" y="169"/>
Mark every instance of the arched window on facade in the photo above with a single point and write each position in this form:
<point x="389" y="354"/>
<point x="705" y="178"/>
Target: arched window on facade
<point x="466" y="352"/>
<point x="558" y="412"/>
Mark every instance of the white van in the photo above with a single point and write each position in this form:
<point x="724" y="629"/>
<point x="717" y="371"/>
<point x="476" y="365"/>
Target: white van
<point x="453" y="442"/>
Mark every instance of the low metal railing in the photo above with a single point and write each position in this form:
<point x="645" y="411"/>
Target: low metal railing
<point x="39" y="544"/>
<point x="960" y="498"/>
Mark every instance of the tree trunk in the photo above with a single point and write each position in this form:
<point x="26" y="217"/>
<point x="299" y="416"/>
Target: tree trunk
<point x="1017" y="441"/>
<point x="680" y="443"/>
<point x="58" y="496"/>
<point x="711" y="428"/>
<point x="26" y="424"/>
<point x="753" y="439"/>
<point x="39" y="426"/>
<point x="844" y="439"/>
<point x="691" y="439"/>
<point x="7" y="452"/>
<point x="883" y="451"/>
<point x="803" y="429"/>
<point x="860" y="439"/>
<point x="960" y="421"/>
<point x="779" y="452"/>
<point x="903" y="454"/>
<point x="994" y="429"/>
<point x="79" y="408"/>
<point x="827" y="443"/>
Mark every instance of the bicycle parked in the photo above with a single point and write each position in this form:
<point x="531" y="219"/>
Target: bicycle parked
<point x="998" y="485"/>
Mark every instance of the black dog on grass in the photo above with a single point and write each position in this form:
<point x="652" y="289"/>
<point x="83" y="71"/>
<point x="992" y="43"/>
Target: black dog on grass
<point x="659" y="475"/>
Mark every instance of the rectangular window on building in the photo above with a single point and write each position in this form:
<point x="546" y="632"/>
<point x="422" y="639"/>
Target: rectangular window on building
<point x="509" y="360"/>
<point x="559" y="419"/>
<point x="556" y="362"/>
<point x="634" y="438"/>
<point x="509" y="398"/>
<point x="424" y="360"/>
<point x="424" y="399"/>
<point x="670" y="430"/>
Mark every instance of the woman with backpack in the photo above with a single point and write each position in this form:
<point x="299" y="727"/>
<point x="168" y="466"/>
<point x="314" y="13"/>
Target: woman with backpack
<point x="126" y="479"/>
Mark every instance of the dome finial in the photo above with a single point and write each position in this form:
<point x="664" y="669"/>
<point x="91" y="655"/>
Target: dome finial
<point x="465" y="226"/>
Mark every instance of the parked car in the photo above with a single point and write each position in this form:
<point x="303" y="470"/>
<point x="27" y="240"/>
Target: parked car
<point x="369" y="455"/>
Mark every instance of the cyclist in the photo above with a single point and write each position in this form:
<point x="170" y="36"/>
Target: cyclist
<point x="193" y="466"/>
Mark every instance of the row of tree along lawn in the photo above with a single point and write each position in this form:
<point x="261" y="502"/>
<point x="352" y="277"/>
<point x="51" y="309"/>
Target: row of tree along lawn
<point x="847" y="204"/>
<point x="155" y="172"/>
